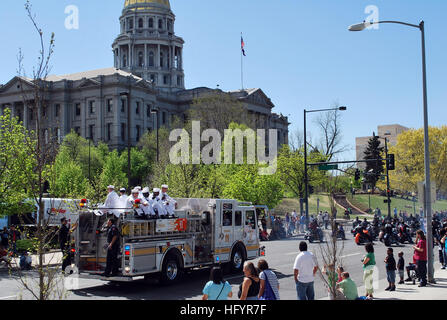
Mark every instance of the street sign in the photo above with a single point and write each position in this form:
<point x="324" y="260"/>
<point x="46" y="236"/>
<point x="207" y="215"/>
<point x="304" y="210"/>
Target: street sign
<point x="327" y="167"/>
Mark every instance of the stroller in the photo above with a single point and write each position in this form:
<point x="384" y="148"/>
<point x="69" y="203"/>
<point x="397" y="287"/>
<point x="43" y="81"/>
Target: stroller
<point x="412" y="273"/>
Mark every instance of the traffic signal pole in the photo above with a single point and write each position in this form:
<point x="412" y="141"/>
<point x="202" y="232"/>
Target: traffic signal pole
<point x="306" y="187"/>
<point x="388" y="190"/>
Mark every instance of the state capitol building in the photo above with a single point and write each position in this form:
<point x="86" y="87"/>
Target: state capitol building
<point x="147" y="64"/>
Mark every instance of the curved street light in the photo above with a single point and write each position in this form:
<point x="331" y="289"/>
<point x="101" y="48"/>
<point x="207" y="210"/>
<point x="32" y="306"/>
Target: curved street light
<point x="427" y="201"/>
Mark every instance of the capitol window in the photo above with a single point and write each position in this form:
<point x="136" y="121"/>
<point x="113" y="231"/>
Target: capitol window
<point x="140" y="23"/>
<point x="151" y="22"/>
<point x="140" y="59"/>
<point x="160" y="24"/>
<point x="151" y="59"/>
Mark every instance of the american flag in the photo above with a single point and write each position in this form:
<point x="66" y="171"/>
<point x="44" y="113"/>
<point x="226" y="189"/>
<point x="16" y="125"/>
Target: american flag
<point x="243" y="46"/>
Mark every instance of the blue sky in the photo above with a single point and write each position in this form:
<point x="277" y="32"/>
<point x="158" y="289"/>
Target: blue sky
<point x="299" y="52"/>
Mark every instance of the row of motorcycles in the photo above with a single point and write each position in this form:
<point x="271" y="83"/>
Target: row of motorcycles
<point x="315" y="233"/>
<point x="388" y="231"/>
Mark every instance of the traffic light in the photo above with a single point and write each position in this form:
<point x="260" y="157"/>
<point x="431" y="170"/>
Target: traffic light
<point x="391" y="162"/>
<point x="357" y="175"/>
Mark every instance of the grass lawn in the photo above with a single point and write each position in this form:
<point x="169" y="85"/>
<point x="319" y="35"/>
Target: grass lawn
<point x="290" y="204"/>
<point x="362" y="202"/>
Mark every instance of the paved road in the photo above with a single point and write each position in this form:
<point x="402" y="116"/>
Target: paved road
<point x="280" y="255"/>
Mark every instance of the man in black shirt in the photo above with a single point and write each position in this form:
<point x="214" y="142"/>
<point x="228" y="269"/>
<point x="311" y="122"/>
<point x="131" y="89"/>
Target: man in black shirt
<point x="113" y="245"/>
<point x="64" y="238"/>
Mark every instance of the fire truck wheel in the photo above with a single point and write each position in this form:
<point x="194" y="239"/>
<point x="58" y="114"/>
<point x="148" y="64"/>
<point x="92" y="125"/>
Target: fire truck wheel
<point x="237" y="260"/>
<point x="171" y="270"/>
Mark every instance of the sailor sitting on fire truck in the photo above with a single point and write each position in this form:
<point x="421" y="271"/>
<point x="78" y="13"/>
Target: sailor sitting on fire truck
<point x="170" y="204"/>
<point x="157" y="204"/>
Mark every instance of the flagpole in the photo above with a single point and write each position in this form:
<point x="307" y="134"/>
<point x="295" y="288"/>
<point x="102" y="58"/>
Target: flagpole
<point x="242" y="66"/>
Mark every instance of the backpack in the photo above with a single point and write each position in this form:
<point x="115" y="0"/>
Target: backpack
<point x="268" y="294"/>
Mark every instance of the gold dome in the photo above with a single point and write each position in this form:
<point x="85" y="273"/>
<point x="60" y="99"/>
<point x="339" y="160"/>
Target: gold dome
<point x="146" y="3"/>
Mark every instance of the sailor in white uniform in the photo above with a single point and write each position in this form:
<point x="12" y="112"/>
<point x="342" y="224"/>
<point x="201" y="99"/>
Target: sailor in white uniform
<point x="112" y="202"/>
<point x="169" y="203"/>
<point x="157" y="204"/>
<point x="148" y="210"/>
<point x="132" y="202"/>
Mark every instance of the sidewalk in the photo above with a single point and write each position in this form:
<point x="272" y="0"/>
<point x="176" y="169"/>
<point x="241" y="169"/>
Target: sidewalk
<point x="408" y="291"/>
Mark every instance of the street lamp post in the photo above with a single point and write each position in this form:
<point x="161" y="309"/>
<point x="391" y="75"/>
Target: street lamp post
<point x="427" y="200"/>
<point x="127" y="95"/>
<point x="155" y="111"/>
<point x="306" y="178"/>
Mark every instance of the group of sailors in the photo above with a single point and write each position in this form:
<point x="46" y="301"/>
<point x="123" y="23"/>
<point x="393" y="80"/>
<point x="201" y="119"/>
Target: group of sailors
<point x="146" y="205"/>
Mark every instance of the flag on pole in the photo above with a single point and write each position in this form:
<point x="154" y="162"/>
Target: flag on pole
<point x="243" y="46"/>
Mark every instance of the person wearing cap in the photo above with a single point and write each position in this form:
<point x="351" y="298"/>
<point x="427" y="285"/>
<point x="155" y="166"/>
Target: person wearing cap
<point x="140" y="190"/>
<point x="123" y="194"/>
<point x="169" y="203"/>
<point x="122" y="200"/>
<point x="135" y="195"/>
<point x="157" y="204"/>
<point x="148" y="210"/>
<point x="112" y="200"/>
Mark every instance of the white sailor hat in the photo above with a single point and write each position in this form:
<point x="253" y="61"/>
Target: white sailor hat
<point x="139" y="188"/>
<point x="111" y="187"/>
<point x="146" y="190"/>
<point x="135" y="190"/>
<point x="123" y="189"/>
<point x="156" y="190"/>
<point x="165" y="186"/>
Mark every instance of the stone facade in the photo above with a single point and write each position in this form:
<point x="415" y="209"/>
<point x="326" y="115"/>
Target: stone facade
<point x="389" y="131"/>
<point x="92" y="104"/>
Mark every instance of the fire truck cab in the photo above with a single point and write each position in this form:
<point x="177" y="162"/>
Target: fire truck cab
<point x="203" y="233"/>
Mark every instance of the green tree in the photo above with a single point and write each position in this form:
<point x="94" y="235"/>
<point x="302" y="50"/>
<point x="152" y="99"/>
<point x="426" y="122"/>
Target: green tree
<point x="14" y="164"/>
<point x="112" y="172"/>
<point x="409" y="159"/>
<point x="248" y="185"/>
<point x="291" y="169"/>
<point x="67" y="179"/>
<point x="374" y="169"/>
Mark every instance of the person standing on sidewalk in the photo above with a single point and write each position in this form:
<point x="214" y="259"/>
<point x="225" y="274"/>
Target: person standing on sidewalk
<point x="369" y="262"/>
<point x="442" y="246"/>
<point x="304" y="269"/>
<point x="249" y="288"/>
<point x="217" y="288"/>
<point x="390" y="270"/>
<point x="302" y="223"/>
<point x="269" y="285"/>
<point x="420" y="256"/>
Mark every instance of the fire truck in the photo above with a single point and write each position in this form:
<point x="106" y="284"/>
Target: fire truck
<point x="204" y="232"/>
